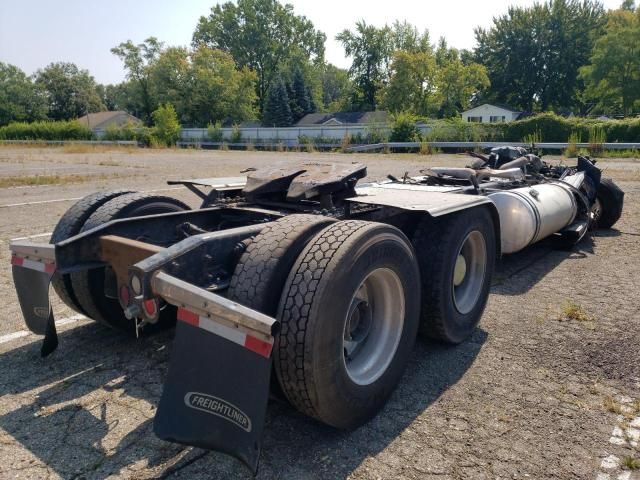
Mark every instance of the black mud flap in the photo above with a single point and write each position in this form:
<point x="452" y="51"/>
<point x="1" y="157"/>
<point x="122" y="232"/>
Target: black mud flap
<point x="217" y="388"/>
<point x="32" y="280"/>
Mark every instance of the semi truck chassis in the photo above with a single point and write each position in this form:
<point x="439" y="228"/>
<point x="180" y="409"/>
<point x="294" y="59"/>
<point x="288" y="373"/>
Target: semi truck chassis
<point x="298" y="283"/>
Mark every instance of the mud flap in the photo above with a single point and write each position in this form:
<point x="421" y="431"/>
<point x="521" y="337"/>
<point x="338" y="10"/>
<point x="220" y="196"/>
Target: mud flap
<point x="217" y="388"/>
<point x="32" y="280"/>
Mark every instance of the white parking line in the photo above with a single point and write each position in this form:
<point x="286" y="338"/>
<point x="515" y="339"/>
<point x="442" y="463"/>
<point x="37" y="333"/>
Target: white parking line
<point x="45" y="234"/>
<point x="13" y="336"/>
<point x="23" y="333"/>
<point x="40" y="202"/>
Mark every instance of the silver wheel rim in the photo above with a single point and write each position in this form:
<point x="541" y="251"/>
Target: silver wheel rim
<point x="373" y="326"/>
<point x="469" y="271"/>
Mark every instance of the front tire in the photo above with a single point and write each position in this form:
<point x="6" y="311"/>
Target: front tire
<point x="607" y="208"/>
<point x="349" y="317"/>
<point x="457" y="255"/>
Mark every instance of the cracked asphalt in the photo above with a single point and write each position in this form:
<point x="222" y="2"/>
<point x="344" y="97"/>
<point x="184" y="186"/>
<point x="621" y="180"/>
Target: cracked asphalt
<point x="530" y="395"/>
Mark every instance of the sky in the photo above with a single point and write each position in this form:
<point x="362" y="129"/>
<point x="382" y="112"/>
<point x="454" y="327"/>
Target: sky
<point x="34" y="33"/>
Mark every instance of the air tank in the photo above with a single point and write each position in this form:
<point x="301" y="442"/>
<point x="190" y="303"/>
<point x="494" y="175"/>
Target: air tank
<point x="532" y="213"/>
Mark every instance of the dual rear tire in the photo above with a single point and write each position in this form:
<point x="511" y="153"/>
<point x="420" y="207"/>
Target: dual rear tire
<point x="352" y="300"/>
<point x="84" y="291"/>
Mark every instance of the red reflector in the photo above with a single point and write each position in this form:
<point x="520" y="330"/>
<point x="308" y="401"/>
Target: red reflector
<point x="188" y="317"/>
<point x="150" y="307"/>
<point x="50" y="267"/>
<point x="124" y="295"/>
<point x="259" y="346"/>
<point x="15" y="260"/>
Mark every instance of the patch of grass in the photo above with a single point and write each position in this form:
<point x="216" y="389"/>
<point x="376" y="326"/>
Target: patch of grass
<point x="29" y="180"/>
<point x="612" y="406"/>
<point x="631" y="153"/>
<point x="631" y="463"/>
<point x="573" y="311"/>
<point x="87" y="148"/>
<point x="109" y="163"/>
<point x="425" y="148"/>
<point x="572" y="147"/>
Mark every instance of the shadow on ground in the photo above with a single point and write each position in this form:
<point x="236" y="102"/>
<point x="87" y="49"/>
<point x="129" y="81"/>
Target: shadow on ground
<point x="516" y="274"/>
<point x="86" y="411"/>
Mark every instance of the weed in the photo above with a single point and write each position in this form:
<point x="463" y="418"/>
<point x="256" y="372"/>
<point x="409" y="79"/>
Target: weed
<point x="425" y="148"/>
<point x="612" y="406"/>
<point x="533" y="138"/>
<point x="572" y="145"/>
<point x="346" y="142"/>
<point x="48" y="180"/>
<point x="631" y="463"/>
<point x="573" y="311"/>
<point x="597" y="138"/>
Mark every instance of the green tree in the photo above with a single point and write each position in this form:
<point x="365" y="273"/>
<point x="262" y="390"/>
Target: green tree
<point x="532" y="54"/>
<point x="166" y="128"/>
<point x="138" y="61"/>
<point x="405" y="37"/>
<point x="204" y="86"/>
<point x="259" y="34"/>
<point x="336" y="88"/>
<point x="218" y="91"/>
<point x="277" y="112"/>
<point x="371" y="49"/>
<point x="458" y="84"/>
<point x="612" y="77"/>
<point x="69" y="92"/>
<point x="300" y="98"/>
<point x="20" y="99"/>
<point x="412" y="85"/>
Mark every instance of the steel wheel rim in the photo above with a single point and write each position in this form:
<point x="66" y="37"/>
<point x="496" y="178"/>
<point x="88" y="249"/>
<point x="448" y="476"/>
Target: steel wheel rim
<point x="467" y="287"/>
<point x="373" y="326"/>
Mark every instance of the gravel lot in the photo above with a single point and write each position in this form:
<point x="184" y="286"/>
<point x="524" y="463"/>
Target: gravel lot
<point x="528" y="396"/>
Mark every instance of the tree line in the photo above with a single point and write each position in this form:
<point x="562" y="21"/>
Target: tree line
<point x="259" y="60"/>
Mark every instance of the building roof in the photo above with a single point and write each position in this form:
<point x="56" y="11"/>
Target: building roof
<point x="497" y="105"/>
<point x="343" y="118"/>
<point x="100" y="119"/>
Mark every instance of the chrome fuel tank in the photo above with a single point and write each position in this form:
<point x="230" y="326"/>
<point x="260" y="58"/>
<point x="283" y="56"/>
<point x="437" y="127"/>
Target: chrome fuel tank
<point x="532" y="213"/>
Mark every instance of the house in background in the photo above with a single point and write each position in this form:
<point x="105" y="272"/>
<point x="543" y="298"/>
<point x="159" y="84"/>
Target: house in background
<point x="488" y="113"/>
<point x="338" y="119"/>
<point x="103" y="120"/>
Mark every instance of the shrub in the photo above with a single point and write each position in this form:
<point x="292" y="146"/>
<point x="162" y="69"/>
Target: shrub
<point x="596" y="138"/>
<point x="166" y="128"/>
<point x="404" y="128"/>
<point x="572" y="147"/>
<point x="46" y="130"/>
<point x="236" y="134"/>
<point x="214" y="132"/>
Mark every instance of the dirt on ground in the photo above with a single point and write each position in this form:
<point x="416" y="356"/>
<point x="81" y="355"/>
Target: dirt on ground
<point x="532" y="394"/>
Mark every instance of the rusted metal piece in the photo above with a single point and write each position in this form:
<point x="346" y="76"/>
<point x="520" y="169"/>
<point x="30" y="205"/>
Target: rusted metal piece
<point x="306" y="181"/>
<point x="121" y="253"/>
<point x="325" y="178"/>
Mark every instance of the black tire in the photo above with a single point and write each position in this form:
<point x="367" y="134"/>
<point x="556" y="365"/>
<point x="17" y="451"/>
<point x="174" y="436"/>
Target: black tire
<point x="89" y="285"/>
<point x="438" y="243"/>
<point x="309" y="354"/>
<point x="263" y="268"/>
<point x="611" y="199"/>
<point x="70" y="225"/>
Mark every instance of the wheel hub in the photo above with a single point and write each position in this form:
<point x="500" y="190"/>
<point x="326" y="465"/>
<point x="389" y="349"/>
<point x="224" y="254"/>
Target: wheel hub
<point x="373" y="326"/>
<point x="460" y="270"/>
<point x="469" y="271"/>
<point x="358" y="327"/>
